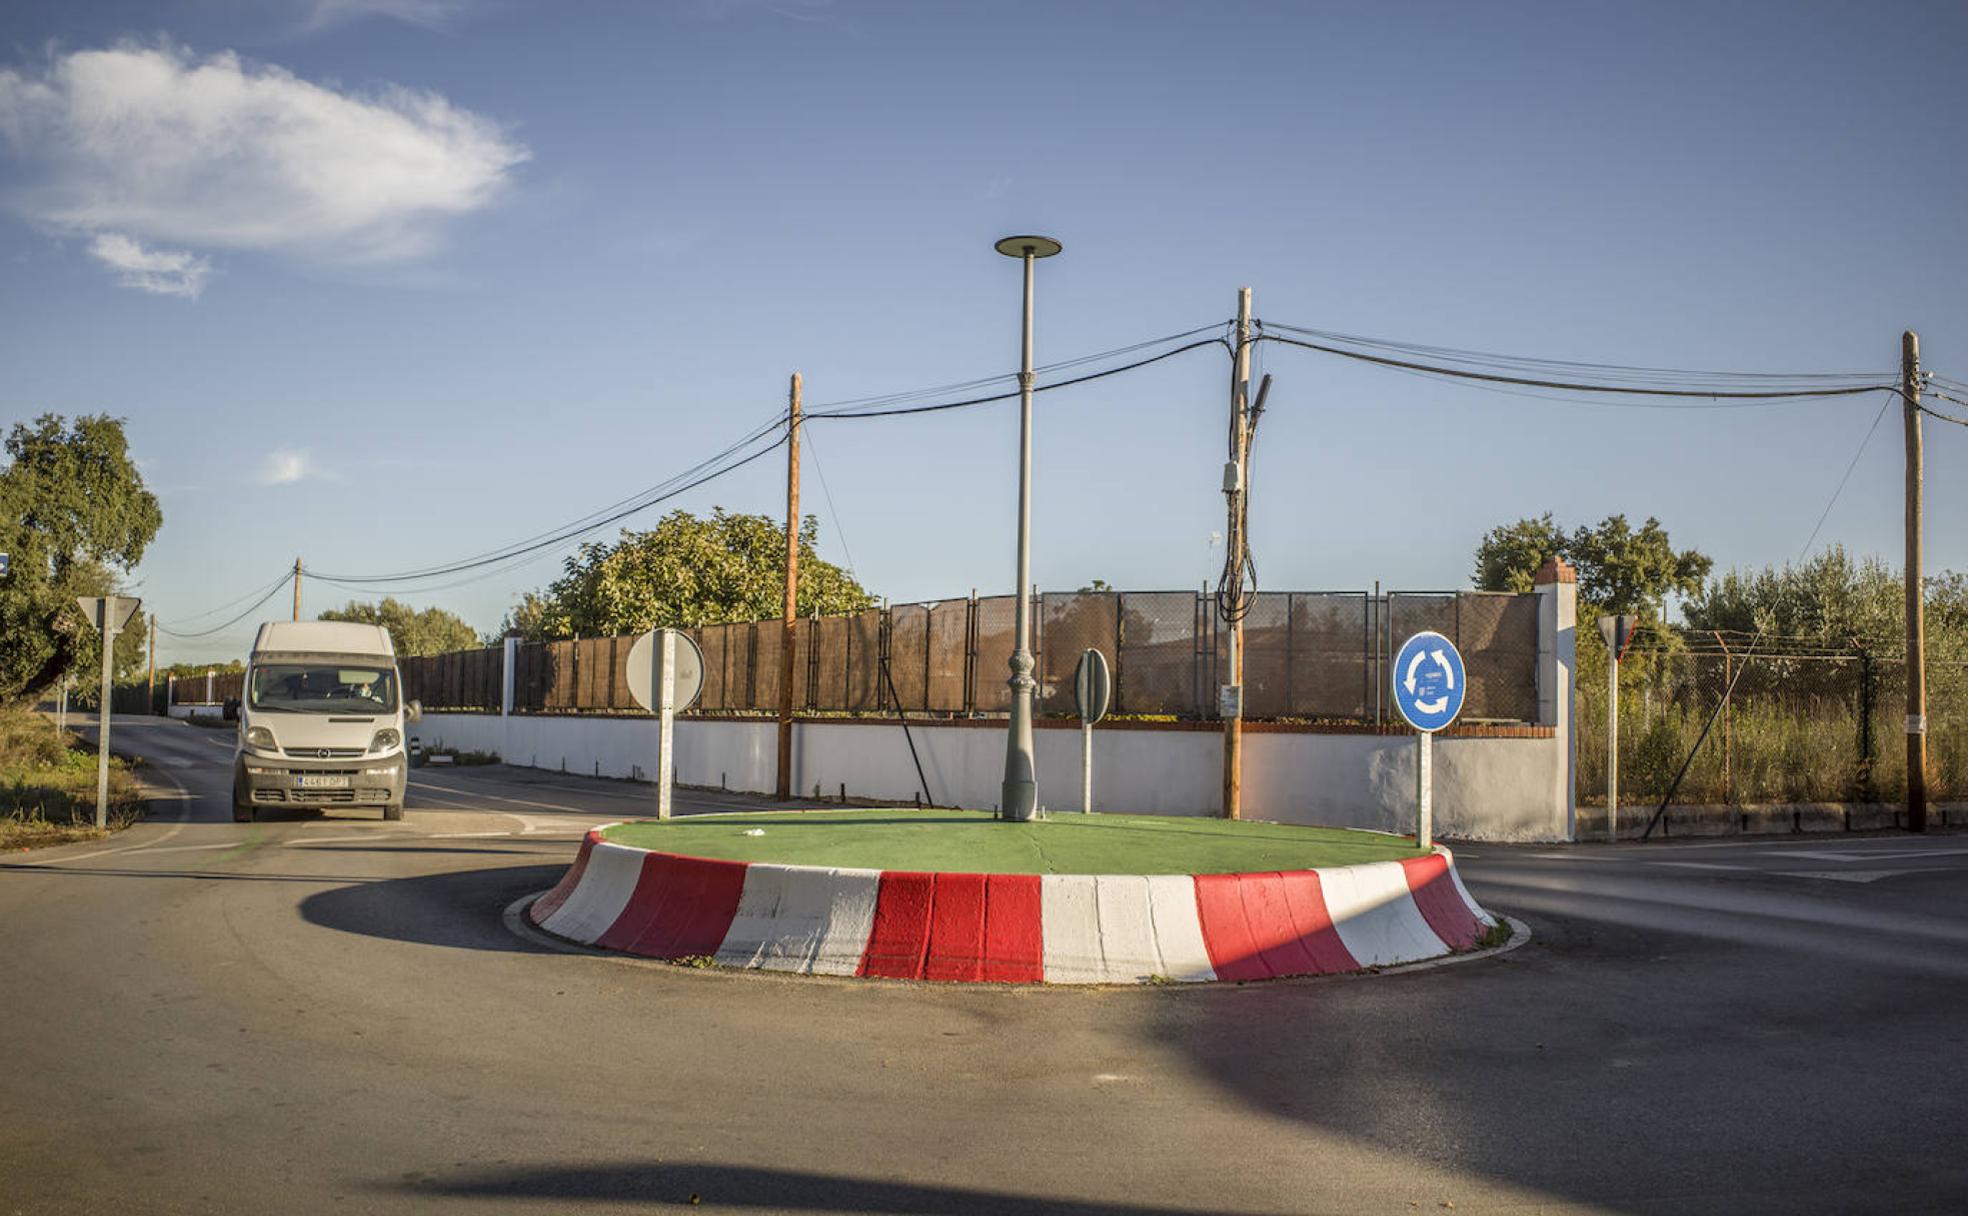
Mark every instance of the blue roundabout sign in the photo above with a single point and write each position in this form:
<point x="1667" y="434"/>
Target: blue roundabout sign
<point x="1429" y="682"/>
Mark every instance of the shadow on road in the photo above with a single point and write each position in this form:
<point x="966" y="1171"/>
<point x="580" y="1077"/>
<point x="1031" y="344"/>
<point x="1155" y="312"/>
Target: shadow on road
<point x="741" y="1186"/>
<point x="461" y="909"/>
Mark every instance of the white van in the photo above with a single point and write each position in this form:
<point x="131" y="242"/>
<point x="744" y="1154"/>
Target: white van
<point x="321" y="720"/>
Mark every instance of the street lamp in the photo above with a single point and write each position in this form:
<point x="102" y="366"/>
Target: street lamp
<point x="1021" y="785"/>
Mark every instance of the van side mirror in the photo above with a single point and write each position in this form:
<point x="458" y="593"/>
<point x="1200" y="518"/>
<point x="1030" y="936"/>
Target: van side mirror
<point x="413" y="711"/>
<point x="230" y="709"/>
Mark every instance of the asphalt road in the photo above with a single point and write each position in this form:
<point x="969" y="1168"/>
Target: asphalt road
<point x="328" y="1013"/>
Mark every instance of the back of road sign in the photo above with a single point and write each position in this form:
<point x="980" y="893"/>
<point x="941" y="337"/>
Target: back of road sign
<point x="644" y="680"/>
<point x="1618" y="631"/>
<point x="1093" y="687"/>
<point x="1429" y="681"/>
<point x="120" y="609"/>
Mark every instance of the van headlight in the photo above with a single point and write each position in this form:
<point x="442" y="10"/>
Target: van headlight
<point x="385" y="740"/>
<point x="262" y="738"/>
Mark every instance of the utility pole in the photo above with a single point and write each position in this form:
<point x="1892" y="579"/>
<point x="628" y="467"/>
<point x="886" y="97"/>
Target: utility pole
<point x="789" y="618"/>
<point x="297" y="588"/>
<point x="150" y="676"/>
<point x="1916" y="606"/>
<point x="1235" y="478"/>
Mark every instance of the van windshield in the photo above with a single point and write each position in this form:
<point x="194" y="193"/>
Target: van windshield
<point x="324" y="688"/>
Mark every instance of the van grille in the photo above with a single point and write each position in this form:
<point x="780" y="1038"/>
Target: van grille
<point x="323" y="753"/>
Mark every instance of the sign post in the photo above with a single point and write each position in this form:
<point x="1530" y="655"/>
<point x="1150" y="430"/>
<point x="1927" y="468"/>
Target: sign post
<point x="666" y="672"/>
<point x="1429" y="687"/>
<point x="1618" y="632"/>
<point x="108" y="613"/>
<point x="1092" y="688"/>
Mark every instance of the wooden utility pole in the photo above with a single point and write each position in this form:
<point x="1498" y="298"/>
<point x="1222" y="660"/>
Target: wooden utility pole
<point x="789" y="616"/>
<point x="297" y="588"/>
<point x="1916" y="606"/>
<point x="150" y="676"/>
<point x="1235" y="478"/>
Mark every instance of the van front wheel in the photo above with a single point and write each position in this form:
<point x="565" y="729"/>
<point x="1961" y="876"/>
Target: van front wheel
<point x="393" y="810"/>
<point x="242" y="812"/>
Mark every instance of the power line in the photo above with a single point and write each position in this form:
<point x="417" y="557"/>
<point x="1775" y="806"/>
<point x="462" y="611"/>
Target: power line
<point x="1853" y="464"/>
<point x="1043" y="388"/>
<point x="206" y="633"/>
<point x="839" y="531"/>
<point x="1766" y="395"/>
<point x="196" y="616"/>
<point x="640" y="503"/>
<point x="1618" y="371"/>
<point x="1008" y="377"/>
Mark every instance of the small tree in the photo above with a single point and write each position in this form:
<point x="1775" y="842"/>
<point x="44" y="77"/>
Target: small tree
<point x="431" y="631"/>
<point x="688" y="571"/>
<point x="74" y="518"/>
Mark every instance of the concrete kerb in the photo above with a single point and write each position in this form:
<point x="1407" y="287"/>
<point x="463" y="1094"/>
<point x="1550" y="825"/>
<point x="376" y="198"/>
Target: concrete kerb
<point x="1011" y="928"/>
<point x="1765" y="819"/>
<point x="521" y="926"/>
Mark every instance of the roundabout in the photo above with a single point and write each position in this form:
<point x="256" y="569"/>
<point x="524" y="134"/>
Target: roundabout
<point x="960" y="896"/>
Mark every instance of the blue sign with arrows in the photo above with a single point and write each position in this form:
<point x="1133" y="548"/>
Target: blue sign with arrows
<point x="1429" y="683"/>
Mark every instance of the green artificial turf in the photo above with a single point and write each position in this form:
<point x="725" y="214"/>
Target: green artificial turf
<point x="977" y="843"/>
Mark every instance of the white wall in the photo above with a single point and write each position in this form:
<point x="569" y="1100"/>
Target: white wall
<point x="1490" y="789"/>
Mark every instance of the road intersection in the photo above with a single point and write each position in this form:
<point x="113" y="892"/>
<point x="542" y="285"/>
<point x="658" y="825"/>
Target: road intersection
<point x="323" y="1012"/>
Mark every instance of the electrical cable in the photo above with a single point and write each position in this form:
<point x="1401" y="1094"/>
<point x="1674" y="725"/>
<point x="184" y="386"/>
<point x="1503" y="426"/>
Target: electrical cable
<point x="196" y="616"/>
<point x="1008" y="377"/>
<point x="839" y="531"/>
<point x="206" y="633"/>
<point x="1042" y="388"/>
<point x="564" y="535"/>
<point x="1852" y="464"/>
<point x="1609" y="370"/>
<point x="1575" y="386"/>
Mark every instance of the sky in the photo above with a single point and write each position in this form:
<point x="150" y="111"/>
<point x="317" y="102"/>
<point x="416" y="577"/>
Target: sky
<point x="384" y="284"/>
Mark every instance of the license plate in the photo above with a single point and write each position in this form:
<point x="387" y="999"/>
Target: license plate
<point x="324" y="783"/>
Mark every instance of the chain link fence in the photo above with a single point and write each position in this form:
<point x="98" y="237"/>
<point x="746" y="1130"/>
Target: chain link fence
<point x="1308" y="656"/>
<point x="1806" y="723"/>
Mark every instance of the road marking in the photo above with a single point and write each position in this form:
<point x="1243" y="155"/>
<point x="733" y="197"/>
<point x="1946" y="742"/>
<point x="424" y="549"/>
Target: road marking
<point x="545" y="806"/>
<point x="1844" y="875"/>
<point x="1847" y="856"/>
<point x="1699" y="865"/>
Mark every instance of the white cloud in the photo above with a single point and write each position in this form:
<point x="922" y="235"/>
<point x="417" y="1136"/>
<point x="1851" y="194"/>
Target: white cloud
<point x="147" y="143"/>
<point x="163" y="272"/>
<point x="284" y="465"/>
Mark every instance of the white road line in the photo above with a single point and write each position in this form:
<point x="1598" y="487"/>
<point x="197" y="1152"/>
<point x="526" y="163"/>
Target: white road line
<point x="545" y="806"/>
<point x="1845" y="875"/>
<point x="1699" y="865"/>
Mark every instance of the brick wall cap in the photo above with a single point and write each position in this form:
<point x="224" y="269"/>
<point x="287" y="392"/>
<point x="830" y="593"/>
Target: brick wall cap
<point x="1554" y="570"/>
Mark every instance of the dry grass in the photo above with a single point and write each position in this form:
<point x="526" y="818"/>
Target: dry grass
<point x="48" y="786"/>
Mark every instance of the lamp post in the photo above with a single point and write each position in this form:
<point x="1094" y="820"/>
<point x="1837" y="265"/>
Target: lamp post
<point x="1020" y="800"/>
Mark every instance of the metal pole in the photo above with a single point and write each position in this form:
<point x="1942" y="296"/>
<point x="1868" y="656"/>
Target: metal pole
<point x="1916" y="607"/>
<point x="1612" y="743"/>
<point x="150" y="675"/>
<point x="102" y="742"/>
<point x="61" y="706"/>
<point x="1424" y="783"/>
<point x="789" y="614"/>
<point x="297" y="588"/>
<point x="1021" y="785"/>
<point x="1086" y="768"/>
<point x="1235" y="544"/>
<point x="1728" y="739"/>
<point x="666" y="716"/>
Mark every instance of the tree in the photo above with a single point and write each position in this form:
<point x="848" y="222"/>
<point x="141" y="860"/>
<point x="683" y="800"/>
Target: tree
<point x="74" y="518"/>
<point x="532" y="618"/>
<point x="1509" y="555"/>
<point x="1620" y="568"/>
<point x="432" y="631"/>
<point x="688" y="571"/>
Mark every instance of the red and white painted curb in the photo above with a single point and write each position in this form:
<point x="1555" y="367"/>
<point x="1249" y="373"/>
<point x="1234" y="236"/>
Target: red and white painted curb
<point x="1012" y="928"/>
